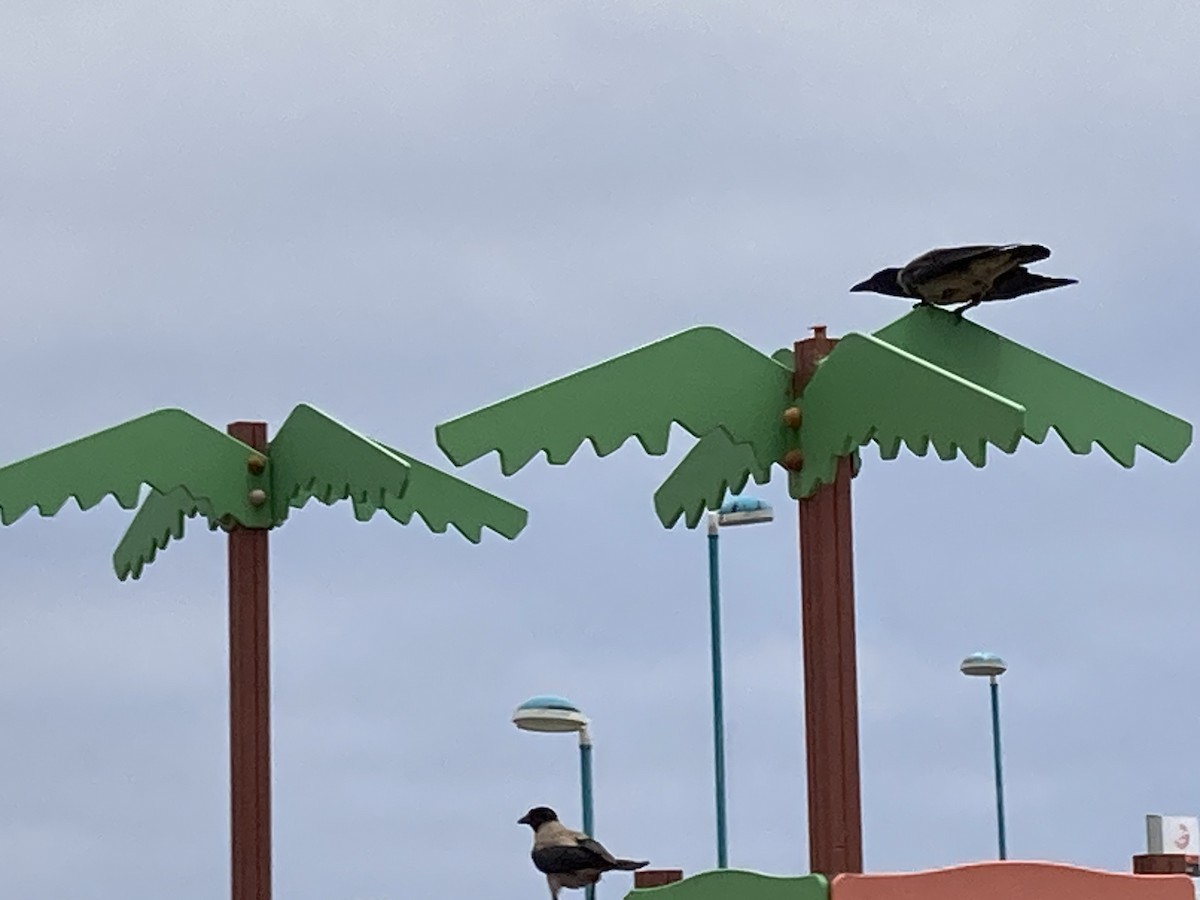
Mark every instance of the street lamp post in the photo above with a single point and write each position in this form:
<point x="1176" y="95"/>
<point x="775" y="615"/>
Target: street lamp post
<point x="551" y="714"/>
<point x="736" y="511"/>
<point x="992" y="666"/>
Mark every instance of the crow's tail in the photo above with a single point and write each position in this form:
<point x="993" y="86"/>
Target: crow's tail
<point x="1017" y="282"/>
<point x="628" y="865"/>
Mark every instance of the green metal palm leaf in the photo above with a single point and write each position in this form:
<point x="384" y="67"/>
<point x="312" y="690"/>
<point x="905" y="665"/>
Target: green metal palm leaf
<point x="317" y="457"/>
<point x="701" y="378"/>
<point x="442" y="500"/>
<point x="713" y="466"/>
<point x="867" y="390"/>
<point x="1082" y="410"/>
<point x="167" y="450"/>
<point x="159" y="520"/>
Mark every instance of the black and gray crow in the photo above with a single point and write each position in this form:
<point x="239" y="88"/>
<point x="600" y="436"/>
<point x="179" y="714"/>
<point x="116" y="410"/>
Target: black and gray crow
<point x="966" y="275"/>
<point x="569" y="859"/>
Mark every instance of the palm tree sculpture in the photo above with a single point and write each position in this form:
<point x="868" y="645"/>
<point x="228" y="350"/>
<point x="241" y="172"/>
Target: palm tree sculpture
<point x="243" y="484"/>
<point x="927" y="378"/>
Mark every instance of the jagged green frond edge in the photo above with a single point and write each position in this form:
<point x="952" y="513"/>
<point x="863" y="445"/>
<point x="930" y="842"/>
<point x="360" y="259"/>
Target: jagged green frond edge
<point x="713" y="466"/>
<point x="737" y="884"/>
<point x="314" y="456"/>
<point x="1081" y="409"/>
<point x="165" y="449"/>
<point x="866" y="389"/>
<point x="159" y="521"/>
<point x="442" y="500"/>
<point x="701" y="378"/>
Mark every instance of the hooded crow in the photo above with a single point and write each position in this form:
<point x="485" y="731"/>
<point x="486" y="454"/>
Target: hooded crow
<point x="966" y="275"/>
<point x="569" y="859"/>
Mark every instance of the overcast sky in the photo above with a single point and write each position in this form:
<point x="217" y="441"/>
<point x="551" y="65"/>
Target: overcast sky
<point x="401" y="212"/>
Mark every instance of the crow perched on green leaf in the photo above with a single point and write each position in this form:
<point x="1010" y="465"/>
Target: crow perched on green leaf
<point x="966" y="275"/>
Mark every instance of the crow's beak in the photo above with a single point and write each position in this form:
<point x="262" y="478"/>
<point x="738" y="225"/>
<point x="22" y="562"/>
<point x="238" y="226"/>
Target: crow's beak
<point x="524" y="820"/>
<point x="882" y="282"/>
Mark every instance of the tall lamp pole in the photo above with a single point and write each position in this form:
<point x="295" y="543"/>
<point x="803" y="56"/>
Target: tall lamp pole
<point x="551" y="714"/>
<point x="736" y="511"/>
<point x="992" y="666"/>
<point x="585" y="785"/>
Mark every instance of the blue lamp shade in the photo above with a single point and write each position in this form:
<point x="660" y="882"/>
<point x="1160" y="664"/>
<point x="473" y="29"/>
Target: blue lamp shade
<point x="549" y="713"/>
<point x="983" y="665"/>
<point x="744" y="510"/>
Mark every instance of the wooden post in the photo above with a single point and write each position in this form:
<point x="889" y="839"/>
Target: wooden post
<point x="830" y="667"/>
<point x="249" y="700"/>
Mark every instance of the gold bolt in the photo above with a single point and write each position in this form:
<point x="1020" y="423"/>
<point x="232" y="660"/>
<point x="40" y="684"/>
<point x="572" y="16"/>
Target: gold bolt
<point x="258" y="497"/>
<point x="793" y="460"/>
<point x="256" y="464"/>
<point x="791" y="417"/>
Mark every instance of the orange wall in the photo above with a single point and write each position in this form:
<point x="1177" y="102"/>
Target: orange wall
<point x="1012" y="881"/>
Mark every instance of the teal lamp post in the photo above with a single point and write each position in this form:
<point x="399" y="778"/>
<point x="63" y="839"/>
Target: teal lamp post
<point x="991" y="666"/>
<point x="735" y="511"/>
<point x="551" y="714"/>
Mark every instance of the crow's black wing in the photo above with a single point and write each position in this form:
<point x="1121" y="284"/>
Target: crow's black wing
<point x="945" y="260"/>
<point x="594" y="846"/>
<point x="571" y="858"/>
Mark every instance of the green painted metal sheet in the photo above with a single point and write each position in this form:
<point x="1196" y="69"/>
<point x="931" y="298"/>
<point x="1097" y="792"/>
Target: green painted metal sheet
<point x="713" y="466"/>
<point x="868" y="390"/>
<point x="1081" y="409"/>
<point x="737" y="884"/>
<point x="166" y="449"/>
<point x="701" y="378"/>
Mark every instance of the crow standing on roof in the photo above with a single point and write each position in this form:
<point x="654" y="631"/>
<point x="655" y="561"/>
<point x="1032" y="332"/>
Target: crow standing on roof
<point x="966" y="275"/>
<point x="569" y="859"/>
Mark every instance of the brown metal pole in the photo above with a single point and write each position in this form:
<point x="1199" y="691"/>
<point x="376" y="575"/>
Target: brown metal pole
<point x="830" y="669"/>
<point x="249" y="700"/>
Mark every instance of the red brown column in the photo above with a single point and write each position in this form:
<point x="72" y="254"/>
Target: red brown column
<point x="249" y="700"/>
<point x="830" y="667"/>
<point x="649" y="878"/>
